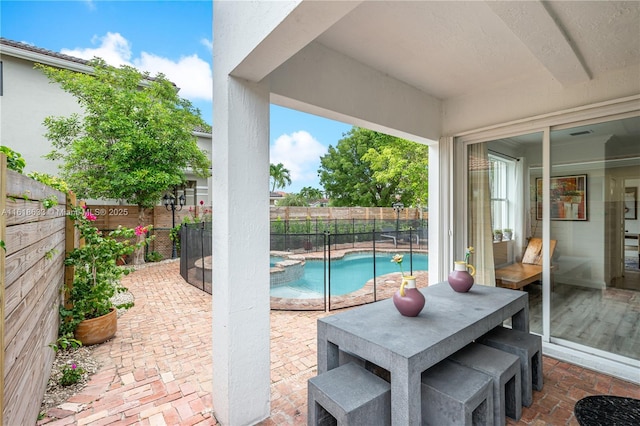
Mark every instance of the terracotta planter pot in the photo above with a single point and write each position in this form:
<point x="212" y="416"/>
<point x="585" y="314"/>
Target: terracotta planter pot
<point x="97" y="330"/>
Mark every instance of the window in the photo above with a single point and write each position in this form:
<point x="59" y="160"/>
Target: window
<point x="501" y="184"/>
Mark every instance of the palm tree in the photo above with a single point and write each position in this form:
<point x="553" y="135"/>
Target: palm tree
<point x="293" y="200"/>
<point x="311" y="194"/>
<point x="280" y="176"/>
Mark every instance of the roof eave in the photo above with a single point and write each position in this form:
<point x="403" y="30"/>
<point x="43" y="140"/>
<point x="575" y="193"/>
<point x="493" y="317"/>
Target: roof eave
<point x="44" y="59"/>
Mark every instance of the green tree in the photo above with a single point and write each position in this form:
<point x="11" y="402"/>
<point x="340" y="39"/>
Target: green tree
<point x="369" y="169"/>
<point x="134" y="140"/>
<point x="311" y="194"/>
<point x="280" y="176"/>
<point x="405" y="164"/>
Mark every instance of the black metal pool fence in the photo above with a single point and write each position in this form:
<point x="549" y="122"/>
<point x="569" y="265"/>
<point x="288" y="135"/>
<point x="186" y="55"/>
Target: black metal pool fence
<point x="195" y="246"/>
<point x="370" y="237"/>
<point x="308" y="235"/>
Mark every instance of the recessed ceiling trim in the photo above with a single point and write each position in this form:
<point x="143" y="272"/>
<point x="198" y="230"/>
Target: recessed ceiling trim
<point x="531" y="22"/>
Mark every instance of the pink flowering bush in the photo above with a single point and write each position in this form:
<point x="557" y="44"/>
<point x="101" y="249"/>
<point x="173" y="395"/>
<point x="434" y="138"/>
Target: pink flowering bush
<point x="202" y="214"/>
<point x="96" y="275"/>
<point x="89" y="216"/>
<point x="141" y="230"/>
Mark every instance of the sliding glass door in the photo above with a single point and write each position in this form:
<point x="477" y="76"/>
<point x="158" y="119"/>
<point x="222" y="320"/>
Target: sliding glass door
<point x="589" y="297"/>
<point x="595" y="294"/>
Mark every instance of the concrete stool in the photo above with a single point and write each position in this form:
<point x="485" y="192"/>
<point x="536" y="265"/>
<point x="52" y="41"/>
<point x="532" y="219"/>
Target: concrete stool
<point x="349" y="395"/>
<point x="453" y="394"/>
<point x="526" y="346"/>
<point x="504" y="369"/>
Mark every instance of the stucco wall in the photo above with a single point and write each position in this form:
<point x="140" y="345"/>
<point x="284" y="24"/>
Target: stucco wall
<point x="26" y="100"/>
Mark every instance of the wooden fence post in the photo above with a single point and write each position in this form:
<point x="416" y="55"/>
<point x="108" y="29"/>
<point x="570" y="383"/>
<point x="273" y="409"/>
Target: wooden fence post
<point x="70" y="243"/>
<point x="3" y="228"/>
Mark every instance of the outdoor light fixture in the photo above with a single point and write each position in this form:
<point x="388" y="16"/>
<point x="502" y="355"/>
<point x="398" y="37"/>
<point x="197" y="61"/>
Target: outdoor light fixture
<point x="398" y="206"/>
<point x="169" y="201"/>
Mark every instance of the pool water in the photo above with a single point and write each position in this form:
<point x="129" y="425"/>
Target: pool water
<point x="347" y="275"/>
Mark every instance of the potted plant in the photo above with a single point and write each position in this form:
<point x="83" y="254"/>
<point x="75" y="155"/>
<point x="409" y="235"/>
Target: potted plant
<point x="497" y="235"/>
<point x="507" y="233"/>
<point x="89" y="313"/>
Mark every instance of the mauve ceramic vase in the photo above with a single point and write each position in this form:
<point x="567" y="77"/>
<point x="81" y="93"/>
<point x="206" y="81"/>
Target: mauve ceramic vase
<point x="460" y="279"/>
<point x="408" y="300"/>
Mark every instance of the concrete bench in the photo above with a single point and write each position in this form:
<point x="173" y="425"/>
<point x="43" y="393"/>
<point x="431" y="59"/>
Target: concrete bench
<point x="528" y="347"/>
<point x="504" y="370"/>
<point x="349" y="395"/>
<point x="453" y="394"/>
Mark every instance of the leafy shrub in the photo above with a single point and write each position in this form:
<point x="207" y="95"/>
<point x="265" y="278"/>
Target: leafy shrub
<point x="49" y="180"/>
<point x="154" y="256"/>
<point x="14" y="159"/>
<point x="71" y="374"/>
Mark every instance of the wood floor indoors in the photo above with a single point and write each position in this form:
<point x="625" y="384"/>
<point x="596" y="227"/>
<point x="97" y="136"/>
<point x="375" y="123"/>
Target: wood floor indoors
<point x="606" y="319"/>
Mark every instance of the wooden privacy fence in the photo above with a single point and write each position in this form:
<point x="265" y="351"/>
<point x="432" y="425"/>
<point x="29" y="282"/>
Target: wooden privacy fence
<point x="32" y="276"/>
<point x="110" y="216"/>
<point x="359" y="213"/>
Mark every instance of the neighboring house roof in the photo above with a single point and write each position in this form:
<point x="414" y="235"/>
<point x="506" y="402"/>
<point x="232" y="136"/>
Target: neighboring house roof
<point x="37" y="54"/>
<point x="47" y="57"/>
<point x="6" y="43"/>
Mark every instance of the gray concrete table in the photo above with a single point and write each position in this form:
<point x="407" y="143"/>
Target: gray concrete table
<point x="408" y="346"/>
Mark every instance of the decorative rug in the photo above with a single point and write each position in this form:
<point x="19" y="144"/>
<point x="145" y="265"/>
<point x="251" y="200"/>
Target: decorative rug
<point x="604" y="410"/>
<point x="631" y="263"/>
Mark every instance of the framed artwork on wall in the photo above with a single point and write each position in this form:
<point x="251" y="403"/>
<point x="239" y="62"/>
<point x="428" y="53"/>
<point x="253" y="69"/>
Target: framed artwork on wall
<point x="631" y="203"/>
<point x="568" y="198"/>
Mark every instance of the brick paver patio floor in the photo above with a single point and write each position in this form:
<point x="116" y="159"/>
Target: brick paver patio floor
<point x="157" y="370"/>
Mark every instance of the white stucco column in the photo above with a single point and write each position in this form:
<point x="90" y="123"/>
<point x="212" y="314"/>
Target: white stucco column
<point x="241" y="332"/>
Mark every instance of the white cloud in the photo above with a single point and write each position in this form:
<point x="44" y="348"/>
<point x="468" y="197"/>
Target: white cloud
<point x="207" y="43"/>
<point x="300" y="153"/>
<point x="190" y="73"/>
<point x="113" y="48"/>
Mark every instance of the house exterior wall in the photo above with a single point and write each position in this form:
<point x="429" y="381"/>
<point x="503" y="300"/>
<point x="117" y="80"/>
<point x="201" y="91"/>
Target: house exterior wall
<point x="26" y="100"/>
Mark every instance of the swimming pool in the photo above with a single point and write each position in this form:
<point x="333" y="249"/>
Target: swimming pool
<point x="274" y="260"/>
<point x="347" y="274"/>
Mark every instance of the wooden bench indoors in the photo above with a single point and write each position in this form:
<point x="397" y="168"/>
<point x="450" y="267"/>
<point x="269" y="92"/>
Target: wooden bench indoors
<point x="518" y="275"/>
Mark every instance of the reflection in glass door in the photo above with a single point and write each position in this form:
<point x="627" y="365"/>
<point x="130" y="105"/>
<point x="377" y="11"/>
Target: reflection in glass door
<point x="595" y="293"/>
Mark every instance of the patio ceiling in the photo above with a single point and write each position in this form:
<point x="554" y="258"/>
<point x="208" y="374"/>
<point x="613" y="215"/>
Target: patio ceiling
<point x="449" y="49"/>
<point x="423" y="69"/>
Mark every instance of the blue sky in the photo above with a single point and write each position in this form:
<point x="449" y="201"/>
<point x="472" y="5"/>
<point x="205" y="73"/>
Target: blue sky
<point x="172" y="37"/>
